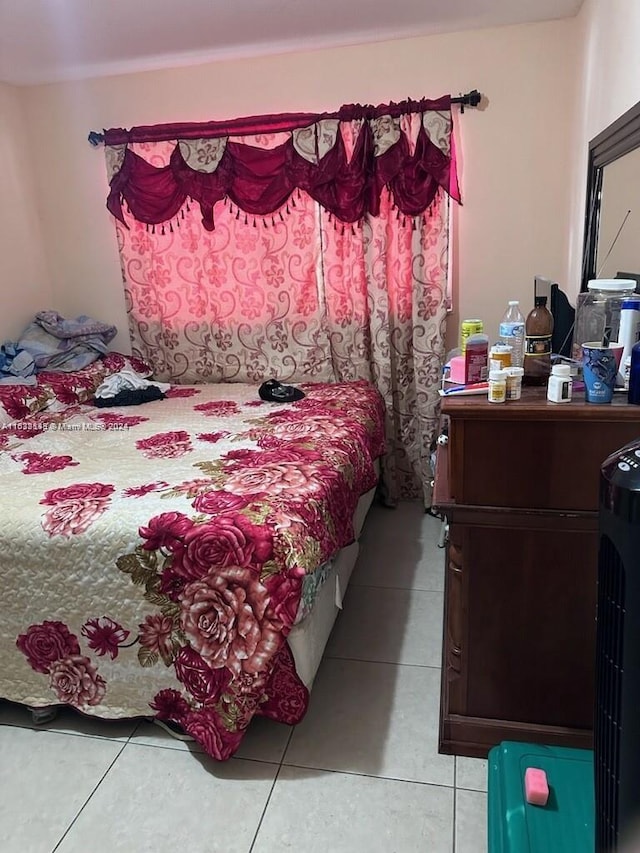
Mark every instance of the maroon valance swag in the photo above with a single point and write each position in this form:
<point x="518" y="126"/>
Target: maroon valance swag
<point x="342" y="160"/>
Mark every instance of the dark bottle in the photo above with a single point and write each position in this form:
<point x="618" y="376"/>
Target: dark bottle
<point x="634" y="376"/>
<point x="537" y="344"/>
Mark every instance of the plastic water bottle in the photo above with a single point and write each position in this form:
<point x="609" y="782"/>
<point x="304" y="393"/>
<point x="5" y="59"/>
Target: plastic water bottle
<point x="511" y="332"/>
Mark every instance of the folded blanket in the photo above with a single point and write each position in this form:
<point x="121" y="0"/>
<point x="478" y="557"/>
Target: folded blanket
<point x="65" y="345"/>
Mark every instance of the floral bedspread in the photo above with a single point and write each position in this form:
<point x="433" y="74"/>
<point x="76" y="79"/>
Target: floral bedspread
<point x="152" y="557"/>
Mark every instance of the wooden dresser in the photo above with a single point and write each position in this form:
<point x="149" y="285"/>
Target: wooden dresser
<point x="518" y="483"/>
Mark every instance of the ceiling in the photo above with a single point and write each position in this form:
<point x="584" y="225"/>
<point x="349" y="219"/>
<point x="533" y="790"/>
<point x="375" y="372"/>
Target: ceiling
<point x="44" y="41"/>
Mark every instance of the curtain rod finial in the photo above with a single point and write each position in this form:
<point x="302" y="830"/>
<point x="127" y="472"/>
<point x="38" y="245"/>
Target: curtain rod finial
<point x="474" y="98"/>
<point x="470" y="99"/>
<point x="95" y="138"/>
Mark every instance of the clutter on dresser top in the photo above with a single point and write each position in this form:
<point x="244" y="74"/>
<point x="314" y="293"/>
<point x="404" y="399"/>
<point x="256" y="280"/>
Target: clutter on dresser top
<point x="551" y="347"/>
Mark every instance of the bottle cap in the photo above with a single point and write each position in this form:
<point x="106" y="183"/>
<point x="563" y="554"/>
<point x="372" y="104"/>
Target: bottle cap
<point x="563" y="370"/>
<point x="497" y="375"/>
<point x="541" y="300"/>
<point x="514" y="371"/>
<point x="501" y="348"/>
<point x="514" y="302"/>
<point x="630" y="302"/>
<point x="611" y="284"/>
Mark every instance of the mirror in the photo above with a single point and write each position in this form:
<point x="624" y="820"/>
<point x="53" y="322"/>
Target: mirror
<point x="612" y="247"/>
<point x="618" y="245"/>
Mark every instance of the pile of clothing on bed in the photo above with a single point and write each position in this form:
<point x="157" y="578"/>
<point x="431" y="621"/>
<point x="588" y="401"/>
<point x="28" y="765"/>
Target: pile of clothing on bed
<point x="51" y="342"/>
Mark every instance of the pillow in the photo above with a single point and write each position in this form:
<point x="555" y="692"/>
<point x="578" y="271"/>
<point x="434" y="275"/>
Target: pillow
<point x="54" y="388"/>
<point x="19" y="401"/>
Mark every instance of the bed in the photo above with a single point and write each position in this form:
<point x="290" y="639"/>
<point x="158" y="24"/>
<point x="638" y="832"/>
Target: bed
<point x="183" y="559"/>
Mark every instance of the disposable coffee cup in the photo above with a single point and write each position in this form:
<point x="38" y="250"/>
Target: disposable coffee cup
<point x="600" y="367"/>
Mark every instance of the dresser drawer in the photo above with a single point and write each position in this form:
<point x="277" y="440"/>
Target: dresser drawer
<point x="535" y="464"/>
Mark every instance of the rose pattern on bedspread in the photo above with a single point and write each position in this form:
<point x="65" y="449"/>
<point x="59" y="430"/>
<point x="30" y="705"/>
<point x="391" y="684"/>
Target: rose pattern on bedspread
<point x="165" y="445"/>
<point x="213" y="437"/>
<point x="182" y="391"/>
<point x="217" y="576"/>
<point x="217" y="409"/>
<point x="75" y="508"/>
<point x="224" y="611"/>
<point x="110" y="420"/>
<point x="47" y="643"/>
<point x="42" y="463"/>
<point x="52" y="649"/>
<point x="76" y="682"/>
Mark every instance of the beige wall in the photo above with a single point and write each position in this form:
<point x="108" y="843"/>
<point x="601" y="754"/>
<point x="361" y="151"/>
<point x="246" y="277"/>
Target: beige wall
<point x="514" y="155"/>
<point x="609" y="74"/>
<point x="24" y="279"/>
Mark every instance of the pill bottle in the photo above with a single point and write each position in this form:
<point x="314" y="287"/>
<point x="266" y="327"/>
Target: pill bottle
<point x="500" y="356"/>
<point x="497" y="386"/>
<point x="560" y="385"/>
<point x="514" y="382"/>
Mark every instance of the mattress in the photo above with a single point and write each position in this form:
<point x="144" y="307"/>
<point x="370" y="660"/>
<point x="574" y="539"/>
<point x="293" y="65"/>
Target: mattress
<point x="309" y="637"/>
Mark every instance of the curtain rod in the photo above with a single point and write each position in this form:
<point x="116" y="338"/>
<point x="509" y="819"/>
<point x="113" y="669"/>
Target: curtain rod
<point x="470" y="99"/>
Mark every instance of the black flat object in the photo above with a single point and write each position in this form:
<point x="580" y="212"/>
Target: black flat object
<point x="131" y="397"/>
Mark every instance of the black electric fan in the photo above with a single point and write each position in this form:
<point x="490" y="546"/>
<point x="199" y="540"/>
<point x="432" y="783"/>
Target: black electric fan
<point x="617" y="711"/>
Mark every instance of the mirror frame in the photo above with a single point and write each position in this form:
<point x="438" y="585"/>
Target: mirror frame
<point x="621" y="137"/>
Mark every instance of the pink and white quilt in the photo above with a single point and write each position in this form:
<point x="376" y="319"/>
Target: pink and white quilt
<point x="152" y="556"/>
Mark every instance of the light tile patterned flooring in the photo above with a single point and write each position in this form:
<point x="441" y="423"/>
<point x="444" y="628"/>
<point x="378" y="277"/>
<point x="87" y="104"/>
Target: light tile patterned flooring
<point x="360" y="774"/>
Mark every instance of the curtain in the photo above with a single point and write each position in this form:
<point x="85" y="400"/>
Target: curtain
<point x="386" y="309"/>
<point x="241" y="303"/>
<point x="344" y="278"/>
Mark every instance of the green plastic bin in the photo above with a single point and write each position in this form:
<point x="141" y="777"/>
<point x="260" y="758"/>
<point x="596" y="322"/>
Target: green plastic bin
<point x="565" y="824"/>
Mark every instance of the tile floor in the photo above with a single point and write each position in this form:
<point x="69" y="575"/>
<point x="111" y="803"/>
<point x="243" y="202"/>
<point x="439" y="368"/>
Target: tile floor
<point x="360" y="774"/>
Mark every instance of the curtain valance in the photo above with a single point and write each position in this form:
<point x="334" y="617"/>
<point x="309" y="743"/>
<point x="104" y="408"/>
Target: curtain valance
<point x="342" y="160"/>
